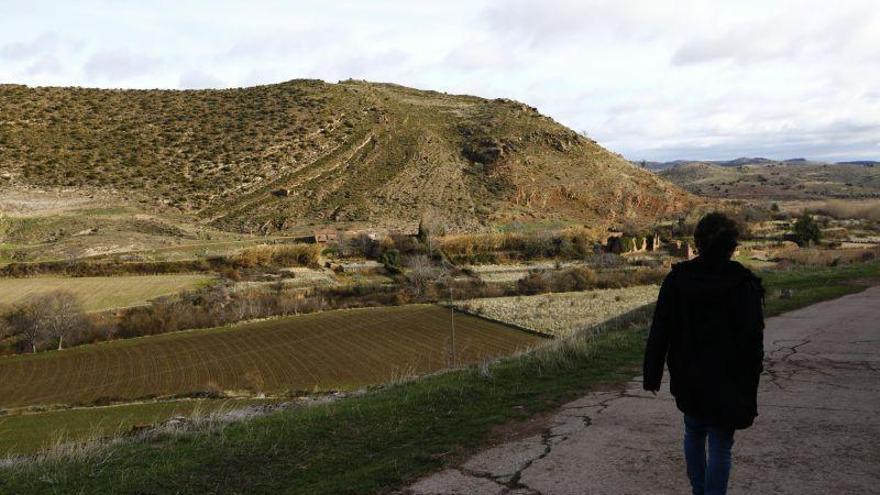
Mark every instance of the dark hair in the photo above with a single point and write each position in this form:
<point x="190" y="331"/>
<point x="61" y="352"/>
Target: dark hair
<point x="716" y="236"/>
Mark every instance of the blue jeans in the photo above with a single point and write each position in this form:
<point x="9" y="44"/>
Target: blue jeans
<point x="707" y="478"/>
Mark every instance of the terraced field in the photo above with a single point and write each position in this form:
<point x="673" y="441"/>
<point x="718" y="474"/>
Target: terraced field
<point x="331" y="350"/>
<point x="99" y="293"/>
<point x="561" y="314"/>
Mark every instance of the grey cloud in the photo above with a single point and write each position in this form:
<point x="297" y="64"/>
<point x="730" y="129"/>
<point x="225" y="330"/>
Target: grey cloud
<point x="42" y="44"/>
<point x="785" y="36"/>
<point x="742" y="46"/>
<point x="261" y="76"/>
<point x="282" y="43"/>
<point x="119" y="64"/>
<point x="197" y="79"/>
<point x="47" y="64"/>
<point x="384" y="65"/>
<point x="561" y="20"/>
<point x="481" y="55"/>
<point x="836" y="141"/>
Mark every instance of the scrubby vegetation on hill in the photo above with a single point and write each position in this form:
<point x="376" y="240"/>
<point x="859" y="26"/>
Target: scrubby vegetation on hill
<point x="777" y="181"/>
<point x="268" y="158"/>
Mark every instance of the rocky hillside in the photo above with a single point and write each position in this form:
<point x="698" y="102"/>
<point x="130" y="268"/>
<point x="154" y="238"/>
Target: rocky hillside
<point x="270" y="158"/>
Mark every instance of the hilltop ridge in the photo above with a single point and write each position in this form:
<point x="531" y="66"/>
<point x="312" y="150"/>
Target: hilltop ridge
<point x="270" y="158"/>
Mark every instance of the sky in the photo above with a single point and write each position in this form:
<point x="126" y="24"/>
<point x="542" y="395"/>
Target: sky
<point x="652" y="80"/>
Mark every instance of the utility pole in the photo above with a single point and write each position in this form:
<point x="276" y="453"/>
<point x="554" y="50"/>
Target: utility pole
<point x="452" y="321"/>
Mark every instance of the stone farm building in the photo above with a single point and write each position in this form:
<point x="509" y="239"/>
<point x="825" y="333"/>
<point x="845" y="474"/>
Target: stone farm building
<point x="326" y="236"/>
<point x="621" y="244"/>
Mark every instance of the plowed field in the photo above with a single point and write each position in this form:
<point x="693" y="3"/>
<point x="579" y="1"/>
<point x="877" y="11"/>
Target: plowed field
<point x="331" y="350"/>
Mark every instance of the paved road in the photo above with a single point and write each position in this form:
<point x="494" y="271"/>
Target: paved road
<point x="818" y="431"/>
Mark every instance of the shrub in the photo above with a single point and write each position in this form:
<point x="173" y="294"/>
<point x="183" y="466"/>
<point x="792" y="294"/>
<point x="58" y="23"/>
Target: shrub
<point x="533" y="283"/>
<point x="806" y="231"/>
<point x="577" y="278"/>
<point x="391" y="259"/>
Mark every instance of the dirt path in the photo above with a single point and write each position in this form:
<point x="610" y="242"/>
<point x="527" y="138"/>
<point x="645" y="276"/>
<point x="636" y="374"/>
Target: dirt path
<point x="818" y="432"/>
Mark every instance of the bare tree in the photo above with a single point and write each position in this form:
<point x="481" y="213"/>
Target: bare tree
<point x="430" y="226"/>
<point x="55" y="316"/>
<point x="64" y="316"/>
<point x="26" y="323"/>
<point x="421" y="271"/>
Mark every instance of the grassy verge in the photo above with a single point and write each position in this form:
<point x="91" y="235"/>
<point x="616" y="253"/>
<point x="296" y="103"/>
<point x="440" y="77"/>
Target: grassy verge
<point x="22" y="434"/>
<point x="386" y="438"/>
<point x="808" y="285"/>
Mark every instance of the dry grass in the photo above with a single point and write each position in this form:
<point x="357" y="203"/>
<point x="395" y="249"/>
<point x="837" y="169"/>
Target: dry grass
<point x="849" y="209"/>
<point x="562" y="314"/>
<point x="509" y="272"/>
<point x="828" y="257"/>
<point x="101" y="293"/>
<point x="279" y="255"/>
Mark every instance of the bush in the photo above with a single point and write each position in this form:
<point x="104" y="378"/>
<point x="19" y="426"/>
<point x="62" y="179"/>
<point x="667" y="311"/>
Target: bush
<point x="806" y="231"/>
<point x="391" y="259"/>
<point x="533" y="283"/>
<point x="578" y="278"/>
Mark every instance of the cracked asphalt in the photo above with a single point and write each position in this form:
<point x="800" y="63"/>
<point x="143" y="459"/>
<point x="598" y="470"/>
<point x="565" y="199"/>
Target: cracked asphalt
<point x="818" y="431"/>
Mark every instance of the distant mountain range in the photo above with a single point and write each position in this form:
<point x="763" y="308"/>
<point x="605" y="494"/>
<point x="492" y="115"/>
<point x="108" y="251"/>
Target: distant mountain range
<point x="753" y="161"/>
<point x="752" y="178"/>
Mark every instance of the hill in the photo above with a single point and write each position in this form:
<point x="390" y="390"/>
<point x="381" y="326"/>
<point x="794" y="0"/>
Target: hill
<point x="272" y="158"/>
<point x="756" y="161"/>
<point x="799" y="180"/>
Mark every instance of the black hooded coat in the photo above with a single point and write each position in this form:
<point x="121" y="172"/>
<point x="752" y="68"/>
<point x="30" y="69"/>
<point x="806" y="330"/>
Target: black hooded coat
<point x="709" y="328"/>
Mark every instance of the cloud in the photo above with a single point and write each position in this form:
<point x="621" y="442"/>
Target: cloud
<point x="742" y="46"/>
<point x="382" y="66"/>
<point x="648" y="79"/>
<point x="481" y="56"/>
<point x="552" y="21"/>
<point x="784" y="35"/>
<point x="118" y="65"/>
<point x="283" y="42"/>
<point x="47" y="64"/>
<point x="40" y="45"/>
<point x="198" y="79"/>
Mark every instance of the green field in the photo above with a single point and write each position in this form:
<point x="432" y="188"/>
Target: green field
<point x="100" y="293"/>
<point x="23" y="434"/>
<point x="330" y="350"/>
